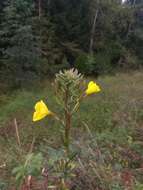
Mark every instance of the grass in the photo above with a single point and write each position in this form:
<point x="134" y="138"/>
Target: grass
<point x="114" y="117"/>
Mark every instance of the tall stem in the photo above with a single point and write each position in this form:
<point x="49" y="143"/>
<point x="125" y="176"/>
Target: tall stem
<point x="67" y="122"/>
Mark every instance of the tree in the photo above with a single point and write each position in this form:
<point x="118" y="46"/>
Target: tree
<point x="136" y="35"/>
<point x="21" y="52"/>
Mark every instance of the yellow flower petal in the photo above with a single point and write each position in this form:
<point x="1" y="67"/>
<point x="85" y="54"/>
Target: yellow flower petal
<point x="41" y="111"/>
<point x="92" y="88"/>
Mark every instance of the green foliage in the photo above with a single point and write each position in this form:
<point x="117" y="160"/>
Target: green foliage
<point x="37" y="40"/>
<point x="103" y="63"/>
<point x="71" y="81"/>
<point x="32" y="166"/>
<point x="86" y="64"/>
<point x="3" y="185"/>
<point x="116" y="187"/>
<point x="69" y="91"/>
<point x="21" y="55"/>
<point x="61" y="165"/>
<point x="138" y="186"/>
<point x="111" y="56"/>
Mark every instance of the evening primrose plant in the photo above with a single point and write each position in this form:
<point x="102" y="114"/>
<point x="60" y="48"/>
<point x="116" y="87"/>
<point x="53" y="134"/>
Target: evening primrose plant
<point x="70" y="90"/>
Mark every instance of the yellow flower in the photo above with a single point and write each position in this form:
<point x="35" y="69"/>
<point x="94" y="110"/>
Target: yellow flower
<point x="41" y="111"/>
<point x="92" y="88"/>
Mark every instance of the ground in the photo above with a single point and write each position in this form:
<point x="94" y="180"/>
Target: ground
<point x="107" y="131"/>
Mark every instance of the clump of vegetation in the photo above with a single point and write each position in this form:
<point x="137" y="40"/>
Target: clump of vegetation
<point x="69" y="91"/>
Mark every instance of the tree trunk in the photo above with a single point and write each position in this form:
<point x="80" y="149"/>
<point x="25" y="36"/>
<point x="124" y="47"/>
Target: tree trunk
<point x="130" y="24"/>
<point x="93" y="32"/>
<point x="39" y="9"/>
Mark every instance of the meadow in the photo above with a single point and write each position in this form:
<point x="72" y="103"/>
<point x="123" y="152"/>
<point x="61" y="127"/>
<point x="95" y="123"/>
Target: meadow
<point x="107" y="136"/>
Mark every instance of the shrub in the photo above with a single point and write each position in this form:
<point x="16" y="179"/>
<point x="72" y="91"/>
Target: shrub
<point x="97" y="64"/>
<point x="85" y="64"/>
